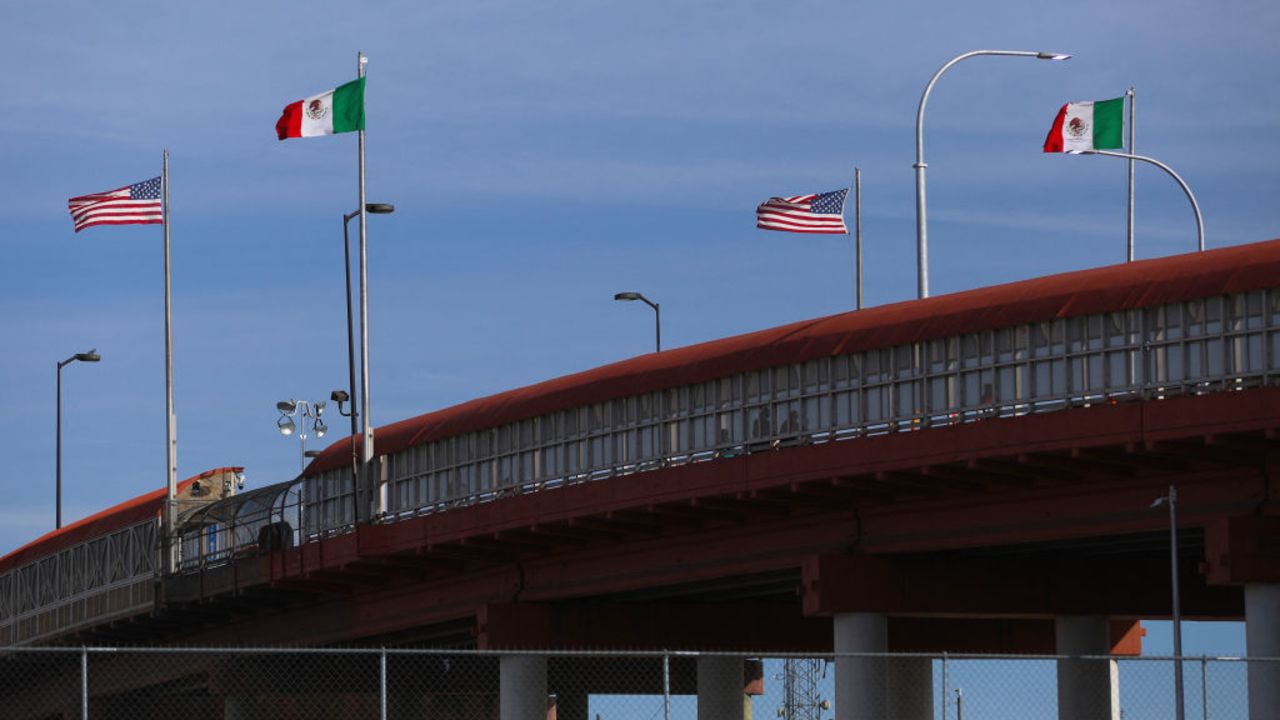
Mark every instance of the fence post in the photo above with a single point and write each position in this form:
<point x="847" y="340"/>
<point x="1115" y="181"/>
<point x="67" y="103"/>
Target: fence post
<point x="666" y="685"/>
<point x="84" y="683"/>
<point x="945" y="680"/>
<point x="382" y="684"/>
<point x="1204" y="687"/>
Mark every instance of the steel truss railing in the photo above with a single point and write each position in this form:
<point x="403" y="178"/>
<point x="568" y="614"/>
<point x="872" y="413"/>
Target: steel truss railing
<point x="104" y="577"/>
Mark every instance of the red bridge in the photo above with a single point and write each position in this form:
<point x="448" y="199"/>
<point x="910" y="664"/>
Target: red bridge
<point x="968" y="473"/>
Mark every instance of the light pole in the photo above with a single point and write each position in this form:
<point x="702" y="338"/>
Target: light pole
<point x="1172" y="500"/>
<point x="338" y="396"/>
<point x="657" y="315"/>
<point x="1195" y="206"/>
<point x="289" y="409"/>
<point x="922" y="222"/>
<point x="91" y="356"/>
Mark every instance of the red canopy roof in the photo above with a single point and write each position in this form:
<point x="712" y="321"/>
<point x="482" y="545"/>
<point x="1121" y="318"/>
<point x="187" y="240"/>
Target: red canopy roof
<point x="1105" y="289"/>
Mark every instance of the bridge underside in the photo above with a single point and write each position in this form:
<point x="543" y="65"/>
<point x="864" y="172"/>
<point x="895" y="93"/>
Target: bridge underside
<point x="969" y="538"/>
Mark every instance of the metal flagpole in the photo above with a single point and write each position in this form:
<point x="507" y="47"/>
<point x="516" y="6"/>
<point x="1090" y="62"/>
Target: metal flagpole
<point x="856" y="248"/>
<point x="171" y="427"/>
<point x="1132" y="149"/>
<point x="857" y="228"/>
<point x="366" y="428"/>
<point x="1195" y="207"/>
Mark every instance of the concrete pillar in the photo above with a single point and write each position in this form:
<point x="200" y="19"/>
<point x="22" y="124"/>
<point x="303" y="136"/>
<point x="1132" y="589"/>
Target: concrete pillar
<point x="720" y="695"/>
<point x="861" y="683"/>
<point x="1086" y="690"/>
<point x="522" y="687"/>
<point x="874" y="688"/>
<point x="1262" y="639"/>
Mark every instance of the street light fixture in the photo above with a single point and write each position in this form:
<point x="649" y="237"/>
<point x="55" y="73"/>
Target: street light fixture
<point x="1172" y="501"/>
<point x="91" y="356"/>
<point x="375" y="209"/>
<point x="922" y="221"/>
<point x="304" y="410"/>
<point x="657" y="314"/>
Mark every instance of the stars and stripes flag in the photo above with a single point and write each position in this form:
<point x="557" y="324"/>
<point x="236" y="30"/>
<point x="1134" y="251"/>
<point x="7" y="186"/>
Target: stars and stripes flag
<point x="137" y="204"/>
<point x="814" y="213"/>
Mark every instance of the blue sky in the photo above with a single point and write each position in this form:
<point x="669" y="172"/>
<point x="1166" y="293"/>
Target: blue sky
<point x="542" y="158"/>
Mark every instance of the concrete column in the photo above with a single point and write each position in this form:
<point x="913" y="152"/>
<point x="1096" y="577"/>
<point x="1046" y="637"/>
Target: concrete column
<point x="866" y="688"/>
<point x="1262" y="639"/>
<point x="522" y="687"/>
<point x="720" y="695"/>
<point x="861" y="683"/>
<point x="1085" y="687"/>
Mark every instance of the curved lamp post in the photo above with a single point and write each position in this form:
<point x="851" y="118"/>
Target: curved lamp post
<point x="91" y="356"/>
<point x="1195" y="207"/>
<point x="922" y="222"/>
<point x="657" y="314"/>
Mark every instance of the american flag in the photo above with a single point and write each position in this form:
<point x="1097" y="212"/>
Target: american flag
<point x="815" y="213"/>
<point x="137" y="204"/>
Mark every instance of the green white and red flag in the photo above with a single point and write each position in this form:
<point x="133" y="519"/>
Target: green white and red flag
<point x="1090" y="125"/>
<point x="336" y="111"/>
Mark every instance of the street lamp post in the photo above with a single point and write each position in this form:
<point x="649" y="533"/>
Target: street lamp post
<point x="922" y="222"/>
<point x="1172" y="501"/>
<point x="314" y="411"/>
<point x="1186" y="189"/>
<point x="91" y="356"/>
<point x="375" y="209"/>
<point x="657" y="315"/>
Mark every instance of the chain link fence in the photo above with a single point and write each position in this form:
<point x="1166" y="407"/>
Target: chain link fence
<point x="351" y="684"/>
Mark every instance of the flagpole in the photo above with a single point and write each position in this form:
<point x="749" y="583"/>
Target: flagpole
<point x="366" y="428"/>
<point x="1195" y="207"/>
<point x="171" y="442"/>
<point x="1132" y="149"/>
<point x="856" y="248"/>
<point x="857" y="233"/>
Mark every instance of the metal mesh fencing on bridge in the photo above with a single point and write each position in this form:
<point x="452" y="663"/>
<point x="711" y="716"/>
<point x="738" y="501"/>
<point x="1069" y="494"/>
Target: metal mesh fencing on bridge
<point x="352" y="684"/>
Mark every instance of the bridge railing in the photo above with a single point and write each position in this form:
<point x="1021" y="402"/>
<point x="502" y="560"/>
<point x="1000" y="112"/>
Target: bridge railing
<point x="105" y="577"/>
<point x="1215" y="344"/>
<point x="1208" y="345"/>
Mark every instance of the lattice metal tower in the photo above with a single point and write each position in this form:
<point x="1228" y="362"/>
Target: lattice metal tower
<point x="801" y="699"/>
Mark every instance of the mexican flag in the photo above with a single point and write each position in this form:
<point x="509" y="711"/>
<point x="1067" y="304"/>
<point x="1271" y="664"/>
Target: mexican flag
<point x="337" y="111"/>
<point x="1092" y="125"/>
